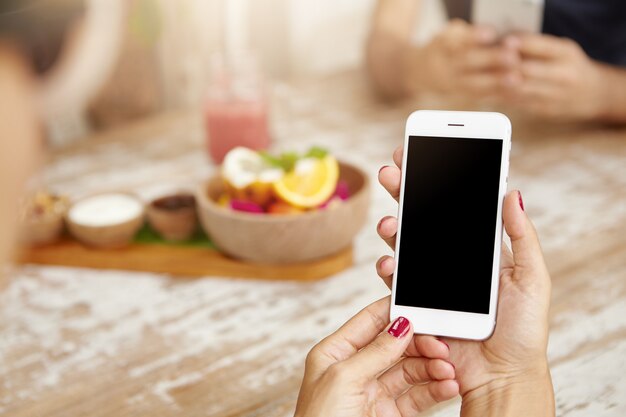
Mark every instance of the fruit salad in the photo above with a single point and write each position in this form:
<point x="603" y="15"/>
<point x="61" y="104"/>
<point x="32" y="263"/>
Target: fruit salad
<point x="290" y="183"/>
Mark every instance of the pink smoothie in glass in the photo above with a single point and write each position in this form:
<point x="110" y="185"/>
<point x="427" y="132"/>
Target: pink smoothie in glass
<point x="232" y="123"/>
<point x="236" y="107"/>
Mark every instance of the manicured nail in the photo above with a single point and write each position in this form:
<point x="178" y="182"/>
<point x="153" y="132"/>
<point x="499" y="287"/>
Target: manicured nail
<point x="381" y="169"/>
<point x="399" y="328"/>
<point x="521" y="202"/>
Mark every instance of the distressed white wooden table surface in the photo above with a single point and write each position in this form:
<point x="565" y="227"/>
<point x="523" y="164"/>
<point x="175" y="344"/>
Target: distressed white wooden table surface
<point x="83" y="342"/>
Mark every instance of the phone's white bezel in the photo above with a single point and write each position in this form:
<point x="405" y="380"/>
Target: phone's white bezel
<point x="452" y="124"/>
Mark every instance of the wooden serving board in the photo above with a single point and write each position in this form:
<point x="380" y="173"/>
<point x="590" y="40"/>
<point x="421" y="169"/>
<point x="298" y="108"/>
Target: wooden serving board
<point x="180" y="260"/>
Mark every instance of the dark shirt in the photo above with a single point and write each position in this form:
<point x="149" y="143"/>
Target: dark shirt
<point x="598" y="26"/>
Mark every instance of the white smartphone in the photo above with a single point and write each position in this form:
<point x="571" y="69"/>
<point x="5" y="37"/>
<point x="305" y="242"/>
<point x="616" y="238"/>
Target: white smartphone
<point x="454" y="178"/>
<point x="509" y="16"/>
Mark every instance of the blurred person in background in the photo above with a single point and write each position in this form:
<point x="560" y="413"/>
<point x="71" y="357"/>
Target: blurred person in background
<point x="53" y="55"/>
<point x="574" y="70"/>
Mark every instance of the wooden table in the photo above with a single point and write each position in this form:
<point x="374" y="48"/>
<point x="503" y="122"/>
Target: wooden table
<point x="113" y="343"/>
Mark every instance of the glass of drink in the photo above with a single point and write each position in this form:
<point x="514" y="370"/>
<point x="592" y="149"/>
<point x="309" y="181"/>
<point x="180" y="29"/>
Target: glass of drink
<point x="236" y="106"/>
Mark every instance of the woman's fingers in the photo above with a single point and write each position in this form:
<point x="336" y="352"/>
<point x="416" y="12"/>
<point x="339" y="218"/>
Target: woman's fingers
<point x="352" y="336"/>
<point x="387" y="228"/>
<point x="414" y="371"/>
<point x="423" y="397"/>
<point x="397" y="156"/>
<point x="390" y="177"/>
<point x="379" y="355"/>
<point x="506" y="257"/>
<point x="527" y="254"/>
<point x="385" y="268"/>
<point x="428" y="347"/>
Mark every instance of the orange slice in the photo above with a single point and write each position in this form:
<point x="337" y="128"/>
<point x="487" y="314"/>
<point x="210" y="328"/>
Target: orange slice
<point x="310" y="183"/>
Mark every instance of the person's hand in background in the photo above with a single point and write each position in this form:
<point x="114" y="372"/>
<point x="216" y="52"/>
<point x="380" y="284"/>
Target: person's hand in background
<point x="558" y="80"/>
<point x="507" y="373"/>
<point x="463" y="60"/>
<point x="372" y="368"/>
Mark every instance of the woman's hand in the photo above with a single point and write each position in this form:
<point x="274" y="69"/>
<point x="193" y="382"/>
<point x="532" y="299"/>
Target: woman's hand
<point x="514" y="358"/>
<point x="464" y="60"/>
<point x="372" y="368"/>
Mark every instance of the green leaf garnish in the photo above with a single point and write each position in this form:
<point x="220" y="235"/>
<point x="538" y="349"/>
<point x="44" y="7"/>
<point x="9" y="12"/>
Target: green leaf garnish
<point x="271" y="159"/>
<point x="287" y="160"/>
<point x="316" y="152"/>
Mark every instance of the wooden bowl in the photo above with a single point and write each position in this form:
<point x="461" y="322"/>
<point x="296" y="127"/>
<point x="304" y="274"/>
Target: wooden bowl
<point x="285" y="238"/>
<point x="110" y="236"/>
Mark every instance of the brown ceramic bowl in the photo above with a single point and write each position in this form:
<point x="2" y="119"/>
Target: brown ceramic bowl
<point x="173" y="216"/>
<point x="285" y="238"/>
<point x="110" y="236"/>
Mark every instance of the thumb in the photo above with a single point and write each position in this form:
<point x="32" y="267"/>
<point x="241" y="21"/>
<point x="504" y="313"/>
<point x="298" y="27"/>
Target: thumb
<point x="382" y="352"/>
<point x="527" y="254"/>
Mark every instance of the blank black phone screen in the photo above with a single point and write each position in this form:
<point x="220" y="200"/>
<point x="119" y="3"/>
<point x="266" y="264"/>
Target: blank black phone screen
<point x="449" y="217"/>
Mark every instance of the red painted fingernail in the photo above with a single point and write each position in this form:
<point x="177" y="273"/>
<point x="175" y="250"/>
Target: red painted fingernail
<point x="399" y="328"/>
<point x="521" y="202"/>
<point x="381" y="169"/>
